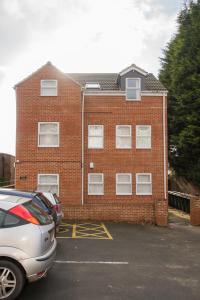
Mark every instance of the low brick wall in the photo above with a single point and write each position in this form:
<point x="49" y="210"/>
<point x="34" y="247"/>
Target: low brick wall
<point x="136" y="213"/>
<point x="195" y="210"/>
<point x="161" y="212"/>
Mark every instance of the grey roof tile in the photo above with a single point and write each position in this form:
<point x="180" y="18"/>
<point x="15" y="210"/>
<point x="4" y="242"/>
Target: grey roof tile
<point x="108" y="81"/>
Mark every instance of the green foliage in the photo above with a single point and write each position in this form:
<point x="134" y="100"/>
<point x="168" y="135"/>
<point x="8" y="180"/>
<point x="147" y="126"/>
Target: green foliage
<point x="180" y="73"/>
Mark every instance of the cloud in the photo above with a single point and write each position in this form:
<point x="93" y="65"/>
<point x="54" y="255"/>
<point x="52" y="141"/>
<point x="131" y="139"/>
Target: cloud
<point x="77" y="36"/>
<point x="23" y="20"/>
<point x="2" y="75"/>
<point x="97" y="37"/>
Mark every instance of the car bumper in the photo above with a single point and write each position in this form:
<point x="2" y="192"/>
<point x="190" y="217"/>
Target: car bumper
<point x="37" y="267"/>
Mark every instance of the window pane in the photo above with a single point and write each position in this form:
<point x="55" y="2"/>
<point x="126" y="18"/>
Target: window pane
<point x="95" y="178"/>
<point x="95" y="130"/>
<point x="123" y="178"/>
<point x="144" y="142"/>
<point x="38" y="213"/>
<point x="48" y="91"/>
<point x="144" y="178"/>
<point x="133" y="83"/>
<point x="144" y="189"/>
<point x="95" y="189"/>
<point x="123" y="142"/>
<point x="95" y="142"/>
<point x="48" y="188"/>
<point x="48" y="127"/>
<point x="49" y="83"/>
<point x="133" y="94"/>
<point x="124" y="130"/>
<point x="48" y="140"/>
<point x="124" y="189"/>
<point x="143" y="130"/>
<point x="11" y="221"/>
<point x="2" y="215"/>
<point x="48" y="179"/>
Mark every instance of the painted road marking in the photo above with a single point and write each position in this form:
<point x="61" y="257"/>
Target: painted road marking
<point x="92" y="262"/>
<point x="84" y="231"/>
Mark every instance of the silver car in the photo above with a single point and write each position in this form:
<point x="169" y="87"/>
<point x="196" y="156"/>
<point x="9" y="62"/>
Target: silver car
<point x="56" y="204"/>
<point x="27" y="244"/>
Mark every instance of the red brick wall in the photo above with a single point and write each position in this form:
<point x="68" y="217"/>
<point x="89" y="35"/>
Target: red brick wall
<point x="111" y="111"/>
<point x="195" y="210"/>
<point x="136" y="213"/>
<point x="66" y="160"/>
<point x="66" y="109"/>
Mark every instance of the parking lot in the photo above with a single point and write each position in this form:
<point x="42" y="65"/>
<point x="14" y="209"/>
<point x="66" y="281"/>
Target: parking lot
<point x="122" y="261"/>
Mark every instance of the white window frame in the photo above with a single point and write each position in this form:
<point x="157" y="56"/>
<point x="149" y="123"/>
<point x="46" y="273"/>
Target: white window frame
<point x="130" y="182"/>
<point x="90" y="136"/>
<point x="133" y="88"/>
<point x="43" y="174"/>
<point x="149" y="183"/>
<point x="118" y="136"/>
<point x="92" y="85"/>
<point x="102" y="182"/>
<point x="137" y="136"/>
<point x="39" y="133"/>
<point x="41" y="87"/>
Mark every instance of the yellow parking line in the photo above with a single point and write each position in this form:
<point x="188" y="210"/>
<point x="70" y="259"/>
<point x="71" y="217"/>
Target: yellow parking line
<point x="87" y="231"/>
<point x="74" y="231"/>
<point x="107" y="232"/>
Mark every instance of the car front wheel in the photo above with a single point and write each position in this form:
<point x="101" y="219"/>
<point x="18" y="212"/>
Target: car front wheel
<point x="11" y="280"/>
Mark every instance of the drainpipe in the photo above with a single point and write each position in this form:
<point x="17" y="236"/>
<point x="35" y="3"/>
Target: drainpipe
<point x="82" y="146"/>
<point x="164" y="144"/>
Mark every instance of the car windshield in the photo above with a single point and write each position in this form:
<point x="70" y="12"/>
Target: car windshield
<point x="42" y="217"/>
<point x="40" y="203"/>
<point x="45" y="200"/>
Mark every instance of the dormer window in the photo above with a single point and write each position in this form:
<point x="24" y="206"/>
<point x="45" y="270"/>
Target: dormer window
<point x="48" y="87"/>
<point x="92" y="85"/>
<point x="133" y="89"/>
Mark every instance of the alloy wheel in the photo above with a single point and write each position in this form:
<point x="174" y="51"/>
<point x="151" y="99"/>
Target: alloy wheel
<point x="7" y="282"/>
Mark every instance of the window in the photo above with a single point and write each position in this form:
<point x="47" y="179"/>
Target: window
<point x="133" y="88"/>
<point x="48" y="183"/>
<point x="2" y="216"/>
<point x="48" y="134"/>
<point x="12" y="221"/>
<point x="92" y="85"/>
<point x="143" y="136"/>
<point x="48" y="87"/>
<point x="95" y="136"/>
<point x="95" y="184"/>
<point x="124" y="184"/>
<point x="143" y="184"/>
<point x="123" y="137"/>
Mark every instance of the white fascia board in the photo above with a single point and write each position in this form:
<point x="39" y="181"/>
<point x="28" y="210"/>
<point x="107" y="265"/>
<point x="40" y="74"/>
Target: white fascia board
<point x="133" y="68"/>
<point x="123" y="93"/>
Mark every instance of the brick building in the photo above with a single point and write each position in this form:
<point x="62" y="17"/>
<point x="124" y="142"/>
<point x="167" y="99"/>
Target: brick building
<point x="97" y="139"/>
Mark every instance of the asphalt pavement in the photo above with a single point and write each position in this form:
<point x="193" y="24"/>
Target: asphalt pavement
<point x="139" y="262"/>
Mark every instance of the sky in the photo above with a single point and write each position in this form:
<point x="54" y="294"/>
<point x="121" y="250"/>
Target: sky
<point x="77" y="36"/>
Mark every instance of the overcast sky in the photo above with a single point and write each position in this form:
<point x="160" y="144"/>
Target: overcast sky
<point x="77" y="36"/>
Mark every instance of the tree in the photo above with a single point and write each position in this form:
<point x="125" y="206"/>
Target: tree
<point x="180" y="73"/>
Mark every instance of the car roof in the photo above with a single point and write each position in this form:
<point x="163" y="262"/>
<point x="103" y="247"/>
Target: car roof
<point x="8" y="201"/>
<point x="17" y="193"/>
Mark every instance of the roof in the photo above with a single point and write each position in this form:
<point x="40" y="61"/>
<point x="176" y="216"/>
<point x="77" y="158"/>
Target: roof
<point x="133" y="67"/>
<point x="8" y="201"/>
<point x="17" y="193"/>
<point x="108" y="81"/>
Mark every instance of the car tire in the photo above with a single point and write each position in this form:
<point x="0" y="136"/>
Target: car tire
<point x="14" y="274"/>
